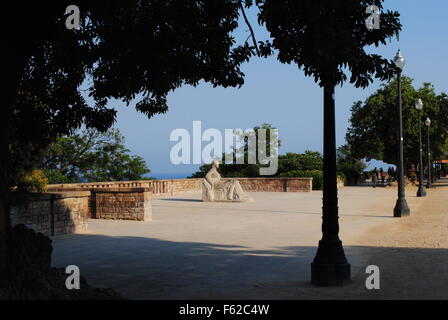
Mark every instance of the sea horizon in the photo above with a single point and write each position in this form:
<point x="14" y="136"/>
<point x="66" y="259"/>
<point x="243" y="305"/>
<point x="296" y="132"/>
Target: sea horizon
<point x="169" y="176"/>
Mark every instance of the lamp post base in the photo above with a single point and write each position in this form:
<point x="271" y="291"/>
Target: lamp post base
<point x="330" y="267"/>
<point x="421" y="191"/>
<point x="402" y="209"/>
<point x="330" y="275"/>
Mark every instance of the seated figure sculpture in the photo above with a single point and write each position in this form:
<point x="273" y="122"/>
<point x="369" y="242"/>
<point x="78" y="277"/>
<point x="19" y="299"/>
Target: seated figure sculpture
<point x="217" y="189"/>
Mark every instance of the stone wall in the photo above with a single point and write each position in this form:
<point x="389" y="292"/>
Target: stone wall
<point x="172" y="187"/>
<point x="159" y="188"/>
<point x="99" y="185"/>
<point x="276" y="184"/>
<point x="122" y="204"/>
<point x="52" y="213"/>
<point x="131" y="200"/>
<point x="67" y="207"/>
<point x="163" y="188"/>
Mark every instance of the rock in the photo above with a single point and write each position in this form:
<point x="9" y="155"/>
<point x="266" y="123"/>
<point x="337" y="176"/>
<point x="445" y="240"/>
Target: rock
<point x="28" y="274"/>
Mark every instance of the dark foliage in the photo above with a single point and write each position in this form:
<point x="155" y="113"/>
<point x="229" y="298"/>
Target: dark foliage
<point x="30" y="275"/>
<point x="326" y="37"/>
<point x="92" y="156"/>
<point x="373" y="133"/>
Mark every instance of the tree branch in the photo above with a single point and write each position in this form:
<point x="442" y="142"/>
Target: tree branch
<point x="250" y="28"/>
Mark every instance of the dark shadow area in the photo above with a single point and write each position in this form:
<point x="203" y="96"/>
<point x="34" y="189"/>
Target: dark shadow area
<point x="179" y="200"/>
<point x="208" y="207"/>
<point x="442" y="182"/>
<point x="51" y="213"/>
<point x="439" y="185"/>
<point x="369" y="185"/>
<point x="29" y="275"/>
<point x="268" y="211"/>
<point x="145" y="268"/>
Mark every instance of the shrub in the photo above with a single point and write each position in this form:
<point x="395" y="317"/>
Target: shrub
<point x="317" y="176"/>
<point x="343" y="177"/>
<point x="35" y="181"/>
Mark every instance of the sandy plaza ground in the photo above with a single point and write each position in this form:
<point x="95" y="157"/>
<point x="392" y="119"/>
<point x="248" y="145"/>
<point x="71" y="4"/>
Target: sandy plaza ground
<point x="263" y="250"/>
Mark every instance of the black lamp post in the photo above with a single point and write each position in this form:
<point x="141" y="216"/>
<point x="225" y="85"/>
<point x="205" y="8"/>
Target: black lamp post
<point x="428" y="124"/>
<point x="330" y="266"/>
<point x="421" y="188"/>
<point x="401" y="208"/>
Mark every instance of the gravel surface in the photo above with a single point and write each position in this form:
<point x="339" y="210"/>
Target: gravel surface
<point x="263" y="250"/>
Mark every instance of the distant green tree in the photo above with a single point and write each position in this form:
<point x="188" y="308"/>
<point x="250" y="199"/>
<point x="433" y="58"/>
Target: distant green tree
<point x="310" y="160"/>
<point x="92" y="156"/>
<point x="373" y="133"/>
<point x="348" y="165"/>
<point x="317" y="175"/>
<point x="290" y="165"/>
<point x="231" y="170"/>
<point x="302" y="165"/>
<point x="250" y="170"/>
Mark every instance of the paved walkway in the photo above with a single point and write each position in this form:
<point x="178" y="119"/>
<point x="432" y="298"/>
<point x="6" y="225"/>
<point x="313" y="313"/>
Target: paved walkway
<point x="261" y="250"/>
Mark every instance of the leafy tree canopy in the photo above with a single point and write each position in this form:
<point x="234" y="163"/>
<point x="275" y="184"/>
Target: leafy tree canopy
<point x="123" y="50"/>
<point x="349" y="165"/>
<point x="373" y="131"/>
<point x="242" y="151"/>
<point x="310" y="160"/>
<point x="92" y="156"/>
<point x="288" y="166"/>
<point x="325" y="37"/>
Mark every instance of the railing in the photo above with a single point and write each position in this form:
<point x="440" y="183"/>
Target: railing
<point x="179" y="186"/>
<point x="161" y="187"/>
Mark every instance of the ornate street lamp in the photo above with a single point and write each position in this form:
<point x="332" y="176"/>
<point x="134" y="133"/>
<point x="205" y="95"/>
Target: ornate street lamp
<point x="421" y="188"/>
<point x="401" y="208"/>
<point x="428" y="124"/>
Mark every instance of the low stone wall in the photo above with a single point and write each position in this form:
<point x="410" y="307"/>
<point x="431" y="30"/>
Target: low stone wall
<point x="163" y="188"/>
<point x="99" y="185"/>
<point x="172" y="187"/>
<point x="66" y="208"/>
<point x="160" y="188"/>
<point x="276" y="184"/>
<point x="122" y="204"/>
<point x="52" y="213"/>
<point x="131" y="200"/>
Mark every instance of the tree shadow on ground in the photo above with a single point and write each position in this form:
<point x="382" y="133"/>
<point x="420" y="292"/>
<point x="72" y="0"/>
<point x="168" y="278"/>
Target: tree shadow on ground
<point x="368" y="185"/>
<point x="207" y="207"/>
<point x="439" y="185"/>
<point x="146" y="268"/>
<point x="179" y="200"/>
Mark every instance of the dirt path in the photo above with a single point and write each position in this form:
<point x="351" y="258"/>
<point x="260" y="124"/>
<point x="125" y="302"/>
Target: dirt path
<point x="412" y="254"/>
<point x="264" y="250"/>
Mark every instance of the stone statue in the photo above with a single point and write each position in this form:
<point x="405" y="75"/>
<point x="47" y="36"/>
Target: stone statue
<point x="217" y="189"/>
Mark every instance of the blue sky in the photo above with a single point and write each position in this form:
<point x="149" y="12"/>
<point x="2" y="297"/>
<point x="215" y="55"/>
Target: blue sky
<point x="282" y="96"/>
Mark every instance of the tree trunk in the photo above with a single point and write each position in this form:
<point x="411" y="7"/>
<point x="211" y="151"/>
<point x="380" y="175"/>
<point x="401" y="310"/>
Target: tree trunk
<point x="14" y="66"/>
<point x="27" y="28"/>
